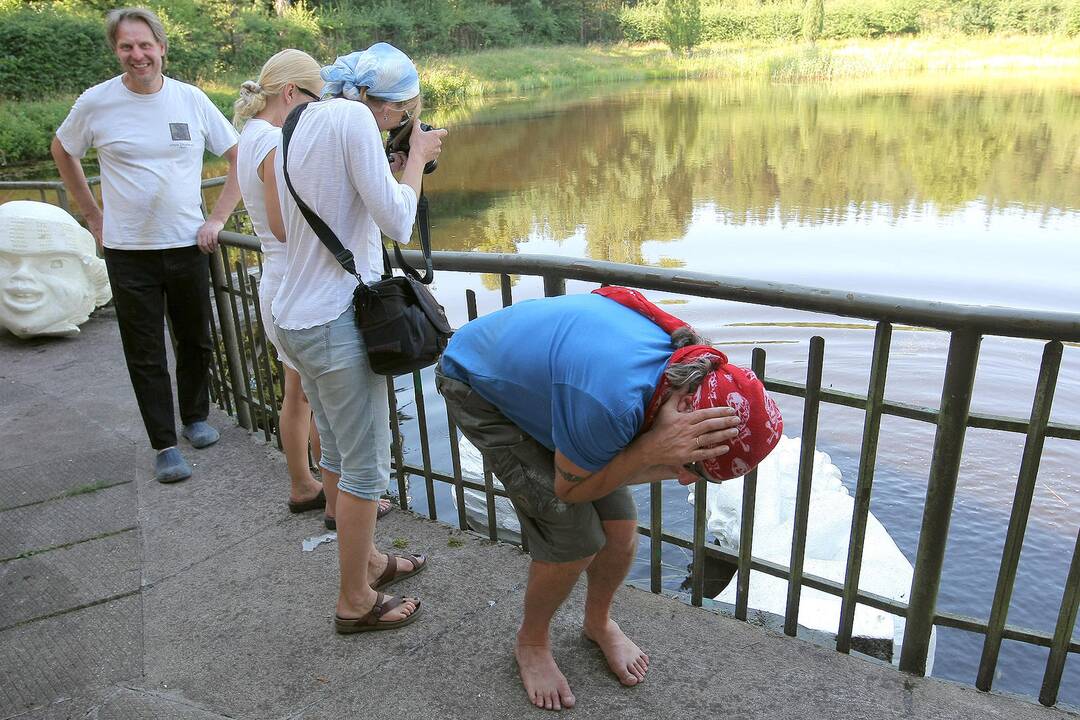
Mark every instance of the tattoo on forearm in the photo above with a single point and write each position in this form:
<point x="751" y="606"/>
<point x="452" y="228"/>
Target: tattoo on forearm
<point x="570" y="477"/>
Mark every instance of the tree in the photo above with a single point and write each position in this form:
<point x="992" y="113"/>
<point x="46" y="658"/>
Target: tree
<point x="682" y="24"/>
<point x="813" y="21"/>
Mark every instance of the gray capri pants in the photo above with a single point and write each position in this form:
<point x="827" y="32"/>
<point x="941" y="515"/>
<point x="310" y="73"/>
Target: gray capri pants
<point x="557" y="532"/>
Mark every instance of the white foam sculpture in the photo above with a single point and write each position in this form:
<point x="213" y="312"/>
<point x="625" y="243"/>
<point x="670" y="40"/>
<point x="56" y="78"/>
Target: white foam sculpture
<point x="50" y="277"/>
<point x="886" y="571"/>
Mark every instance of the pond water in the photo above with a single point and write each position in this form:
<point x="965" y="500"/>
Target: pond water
<point x="965" y="194"/>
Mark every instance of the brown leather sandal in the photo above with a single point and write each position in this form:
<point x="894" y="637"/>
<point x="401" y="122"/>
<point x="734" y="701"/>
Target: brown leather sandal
<point x="391" y="575"/>
<point x="372" y="620"/>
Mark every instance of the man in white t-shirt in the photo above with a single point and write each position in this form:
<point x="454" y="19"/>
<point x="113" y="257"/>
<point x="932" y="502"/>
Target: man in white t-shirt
<point x="150" y="132"/>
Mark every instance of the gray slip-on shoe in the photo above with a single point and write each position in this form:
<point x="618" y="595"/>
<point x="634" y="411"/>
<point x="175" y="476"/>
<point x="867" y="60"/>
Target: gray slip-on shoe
<point x="200" y="434"/>
<point x="170" y="466"/>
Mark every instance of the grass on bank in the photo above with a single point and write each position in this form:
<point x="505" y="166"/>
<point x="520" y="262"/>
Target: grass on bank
<point x="26" y="128"/>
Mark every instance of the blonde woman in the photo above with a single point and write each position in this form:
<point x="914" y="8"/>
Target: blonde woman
<point x="337" y="165"/>
<point x="287" y="79"/>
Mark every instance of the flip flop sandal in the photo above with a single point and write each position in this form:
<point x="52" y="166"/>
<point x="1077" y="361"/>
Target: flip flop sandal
<point x="316" y="503"/>
<point x="372" y="621"/>
<point x="391" y="575"/>
<point x="331" y="522"/>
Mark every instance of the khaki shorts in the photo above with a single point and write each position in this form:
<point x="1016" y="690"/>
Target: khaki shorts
<point x="556" y="531"/>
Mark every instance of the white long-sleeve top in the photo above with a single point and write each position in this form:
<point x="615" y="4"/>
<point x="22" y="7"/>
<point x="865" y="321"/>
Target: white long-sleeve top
<point x="338" y="167"/>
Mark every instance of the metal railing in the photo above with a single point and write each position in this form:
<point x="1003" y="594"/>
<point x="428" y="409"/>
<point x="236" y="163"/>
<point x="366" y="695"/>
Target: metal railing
<point x="247" y="382"/>
<point x="966" y="326"/>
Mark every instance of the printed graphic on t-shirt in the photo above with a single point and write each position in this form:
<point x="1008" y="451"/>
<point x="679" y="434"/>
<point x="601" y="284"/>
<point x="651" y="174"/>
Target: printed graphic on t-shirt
<point x="180" y="132"/>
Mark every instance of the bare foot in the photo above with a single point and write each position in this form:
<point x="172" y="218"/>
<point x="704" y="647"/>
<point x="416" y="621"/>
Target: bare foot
<point x="544" y="683"/>
<point x="624" y="658"/>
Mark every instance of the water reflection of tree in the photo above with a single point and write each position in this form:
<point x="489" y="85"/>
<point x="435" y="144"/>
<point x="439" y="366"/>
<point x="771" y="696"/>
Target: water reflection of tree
<point x="622" y="170"/>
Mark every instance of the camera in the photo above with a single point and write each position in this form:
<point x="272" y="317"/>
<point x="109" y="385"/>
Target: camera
<point x="398" y="141"/>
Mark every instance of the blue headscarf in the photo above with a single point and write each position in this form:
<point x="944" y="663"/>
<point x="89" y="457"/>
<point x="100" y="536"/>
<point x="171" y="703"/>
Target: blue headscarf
<point x="384" y="70"/>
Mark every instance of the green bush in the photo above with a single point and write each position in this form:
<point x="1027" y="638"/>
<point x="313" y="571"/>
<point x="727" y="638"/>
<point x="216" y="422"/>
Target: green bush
<point x="975" y="16"/>
<point x="27" y="128"/>
<point x="1070" y="21"/>
<point x="259" y="36"/>
<point x="726" y="26"/>
<point x="540" y="24"/>
<point x="1030" y="17"/>
<point x="194" y="42"/>
<point x="682" y="23"/>
<point x="872" y="19"/>
<point x="643" y="22"/>
<point x="37" y="48"/>
<point x="474" y="26"/>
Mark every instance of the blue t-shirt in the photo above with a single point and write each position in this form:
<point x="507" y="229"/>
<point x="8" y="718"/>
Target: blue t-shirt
<point x="575" y="371"/>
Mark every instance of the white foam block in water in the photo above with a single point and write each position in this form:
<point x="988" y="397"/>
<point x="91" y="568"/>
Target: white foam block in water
<point x="885" y="569"/>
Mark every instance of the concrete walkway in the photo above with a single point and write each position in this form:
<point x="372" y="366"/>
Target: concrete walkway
<point x="123" y="598"/>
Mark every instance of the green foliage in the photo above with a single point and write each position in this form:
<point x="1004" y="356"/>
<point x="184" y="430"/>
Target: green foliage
<point x="682" y="24"/>
<point x="1070" y="22"/>
<point x="27" y="128"/>
<point x="813" y="20"/>
<point x="855" y="19"/>
<point x="1029" y="17"/>
<point x="37" y="48"/>
<point x="740" y="20"/>
<point x="975" y="16"/>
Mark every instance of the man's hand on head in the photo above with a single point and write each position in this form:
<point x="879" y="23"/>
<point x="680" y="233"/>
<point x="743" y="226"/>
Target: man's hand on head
<point x="681" y="435"/>
<point x="207" y="236"/>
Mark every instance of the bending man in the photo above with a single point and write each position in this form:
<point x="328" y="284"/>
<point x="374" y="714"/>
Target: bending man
<point x="572" y="399"/>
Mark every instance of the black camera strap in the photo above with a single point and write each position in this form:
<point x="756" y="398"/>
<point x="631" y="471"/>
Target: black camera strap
<point x="330" y="239"/>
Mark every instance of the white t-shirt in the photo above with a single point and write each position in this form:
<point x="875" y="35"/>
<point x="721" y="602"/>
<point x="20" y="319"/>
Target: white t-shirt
<point x="257" y="139"/>
<point x="338" y="167"/>
<point x="150" y="148"/>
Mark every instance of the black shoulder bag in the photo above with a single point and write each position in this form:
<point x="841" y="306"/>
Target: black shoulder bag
<point x="404" y="326"/>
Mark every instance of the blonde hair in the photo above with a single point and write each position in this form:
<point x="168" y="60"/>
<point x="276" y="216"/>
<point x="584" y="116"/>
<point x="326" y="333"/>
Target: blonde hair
<point x="287" y="66"/>
<point x="119" y="15"/>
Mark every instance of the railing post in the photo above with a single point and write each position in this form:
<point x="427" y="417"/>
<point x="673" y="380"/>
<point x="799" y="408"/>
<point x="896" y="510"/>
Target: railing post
<point x="875" y="397"/>
<point x="801" y="521"/>
<point x="1018" y="520"/>
<point x="1059" y="649"/>
<point x="229" y="338"/>
<point x="554" y="286"/>
<point x="749" y="505"/>
<point x="940" y="491"/>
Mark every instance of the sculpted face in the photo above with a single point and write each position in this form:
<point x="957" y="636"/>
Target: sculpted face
<point x="50" y="279"/>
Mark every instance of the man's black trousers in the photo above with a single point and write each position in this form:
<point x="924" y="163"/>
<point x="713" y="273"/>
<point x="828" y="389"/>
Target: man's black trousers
<point x="147" y="284"/>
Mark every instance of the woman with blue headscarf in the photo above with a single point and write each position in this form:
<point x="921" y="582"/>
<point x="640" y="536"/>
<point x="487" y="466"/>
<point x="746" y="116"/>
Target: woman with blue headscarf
<point x="339" y="168"/>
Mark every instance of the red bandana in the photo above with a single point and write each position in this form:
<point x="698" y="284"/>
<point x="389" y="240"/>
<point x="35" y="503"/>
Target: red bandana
<point x="760" y="423"/>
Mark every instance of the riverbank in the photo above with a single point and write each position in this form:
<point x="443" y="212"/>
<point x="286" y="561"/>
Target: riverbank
<point x="27" y="127"/>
